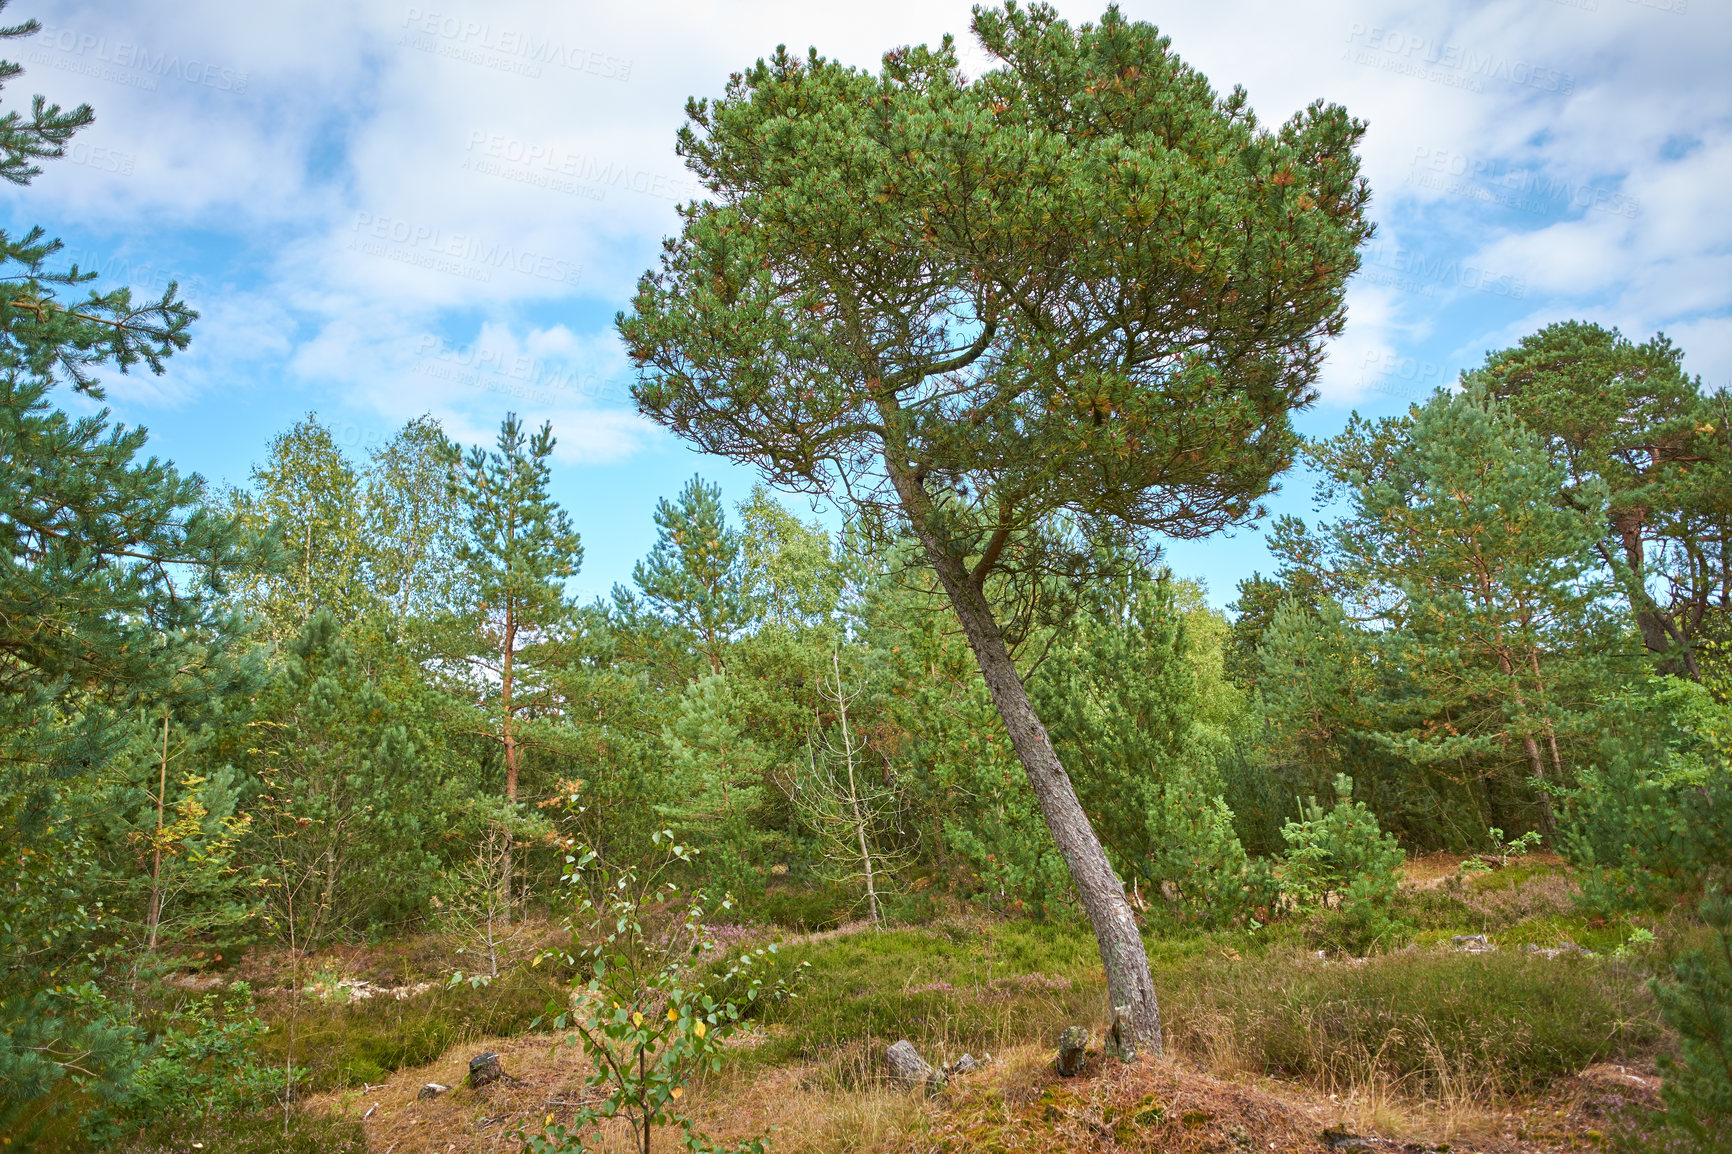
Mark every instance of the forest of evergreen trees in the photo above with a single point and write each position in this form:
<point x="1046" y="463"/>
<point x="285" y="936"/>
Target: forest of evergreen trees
<point x="353" y="699"/>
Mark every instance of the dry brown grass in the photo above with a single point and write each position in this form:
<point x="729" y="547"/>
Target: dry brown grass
<point x="843" y="1105"/>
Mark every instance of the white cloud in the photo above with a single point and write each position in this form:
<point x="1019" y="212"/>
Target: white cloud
<point x="495" y="176"/>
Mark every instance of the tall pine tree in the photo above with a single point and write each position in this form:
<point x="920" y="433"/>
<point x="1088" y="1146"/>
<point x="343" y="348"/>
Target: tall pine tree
<point x="110" y="570"/>
<point x="694" y="574"/>
<point x="520" y="549"/>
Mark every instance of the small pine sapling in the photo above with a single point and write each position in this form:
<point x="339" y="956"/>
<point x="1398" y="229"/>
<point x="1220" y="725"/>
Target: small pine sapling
<point x="1342" y="860"/>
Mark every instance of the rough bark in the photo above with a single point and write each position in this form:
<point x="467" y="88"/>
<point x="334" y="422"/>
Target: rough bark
<point x="1537" y="765"/>
<point x="510" y="739"/>
<point x="1130" y="989"/>
<point x="1660" y="634"/>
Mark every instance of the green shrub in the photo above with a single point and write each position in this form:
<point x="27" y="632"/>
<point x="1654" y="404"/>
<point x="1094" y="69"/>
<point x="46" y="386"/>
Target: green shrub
<point x="203" y="1061"/>
<point x="1698" y="1005"/>
<point x="1341" y="861"/>
<point x="1652" y="816"/>
<point x="351" y="1043"/>
<point x="267" y="1132"/>
<point x="650" y="1019"/>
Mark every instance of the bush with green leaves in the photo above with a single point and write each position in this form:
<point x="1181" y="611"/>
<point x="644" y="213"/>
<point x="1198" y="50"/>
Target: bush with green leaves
<point x="1651" y="817"/>
<point x="204" y="1061"/>
<point x="656" y="1005"/>
<point x="1340" y="859"/>
<point x="1698" y="1005"/>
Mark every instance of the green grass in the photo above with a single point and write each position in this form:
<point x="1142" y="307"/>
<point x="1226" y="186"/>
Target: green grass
<point x="266" y="1133"/>
<point x="1425" y="1017"/>
<point x="347" y="1044"/>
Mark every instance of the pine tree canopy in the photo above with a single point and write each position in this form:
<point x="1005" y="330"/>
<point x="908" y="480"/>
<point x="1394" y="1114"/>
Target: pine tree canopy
<point x="109" y="561"/>
<point x="1082" y="283"/>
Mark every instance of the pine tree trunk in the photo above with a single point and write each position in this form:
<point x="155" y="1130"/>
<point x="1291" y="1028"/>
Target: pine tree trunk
<point x="153" y="919"/>
<point x="854" y="793"/>
<point x="1130" y="989"/>
<point x="1537" y="765"/>
<point x="1131" y="1000"/>
<point x="510" y="739"/>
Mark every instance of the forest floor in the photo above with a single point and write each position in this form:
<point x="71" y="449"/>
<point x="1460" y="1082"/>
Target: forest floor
<point x="1499" y="1018"/>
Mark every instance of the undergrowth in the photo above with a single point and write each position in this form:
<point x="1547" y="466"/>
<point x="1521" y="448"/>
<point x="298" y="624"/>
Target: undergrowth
<point x="343" y="1044"/>
<point x="303" y="1132"/>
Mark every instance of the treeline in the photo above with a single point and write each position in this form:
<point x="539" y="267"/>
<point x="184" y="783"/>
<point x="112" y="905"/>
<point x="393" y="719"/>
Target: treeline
<point x="1517" y="580"/>
<point x="397" y="716"/>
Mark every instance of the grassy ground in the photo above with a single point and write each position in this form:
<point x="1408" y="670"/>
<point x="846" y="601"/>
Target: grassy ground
<point x="1415" y="1038"/>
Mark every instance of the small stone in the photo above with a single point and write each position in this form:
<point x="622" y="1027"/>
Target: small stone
<point x="484" y="1070"/>
<point x="908" y="1067"/>
<point x="432" y="1090"/>
<point x="1073" y="1047"/>
<point x="963" y="1065"/>
<point x="1472" y="943"/>
<point x="1338" y="1139"/>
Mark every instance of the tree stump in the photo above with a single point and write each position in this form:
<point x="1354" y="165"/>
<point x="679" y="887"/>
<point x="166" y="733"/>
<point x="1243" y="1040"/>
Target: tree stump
<point x="1073" y="1047"/>
<point x="484" y="1070"/>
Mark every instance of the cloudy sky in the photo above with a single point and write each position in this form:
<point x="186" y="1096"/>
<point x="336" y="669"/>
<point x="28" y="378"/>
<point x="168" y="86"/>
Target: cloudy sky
<point x="383" y="209"/>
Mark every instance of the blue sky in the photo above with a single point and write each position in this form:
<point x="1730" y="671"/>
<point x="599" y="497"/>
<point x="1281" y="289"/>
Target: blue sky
<point x="383" y="209"/>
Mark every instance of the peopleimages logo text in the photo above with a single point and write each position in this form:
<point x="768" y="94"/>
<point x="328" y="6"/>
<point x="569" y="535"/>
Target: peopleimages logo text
<point x="438" y="248"/>
<point x="455" y="36"/>
<point x="124" y="54"/>
<point x="497" y="150"/>
<point x="1426" y="52"/>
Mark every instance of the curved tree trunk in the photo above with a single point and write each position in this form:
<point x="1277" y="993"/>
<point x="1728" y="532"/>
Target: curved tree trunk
<point x="1135" y="1015"/>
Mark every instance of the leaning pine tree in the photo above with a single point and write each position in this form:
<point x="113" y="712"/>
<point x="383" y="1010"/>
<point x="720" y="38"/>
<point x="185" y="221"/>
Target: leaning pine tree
<point x="1074" y="299"/>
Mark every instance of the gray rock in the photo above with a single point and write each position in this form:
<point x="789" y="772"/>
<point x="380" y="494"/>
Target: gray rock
<point x="484" y="1070"/>
<point x="908" y="1067"/>
<point x="432" y="1090"/>
<point x="1472" y="944"/>
<point x="967" y="1064"/>
<point x="1073" y="1046"/>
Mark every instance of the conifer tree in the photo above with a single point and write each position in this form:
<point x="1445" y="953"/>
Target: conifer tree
<point x="520" y="549"/>
<point x="1626" y="418"/>
<point x="693" y="575"/>
<point x="1458" y="539"/>
<point x="1075" y="298"/>
<point x="110" y="566"/>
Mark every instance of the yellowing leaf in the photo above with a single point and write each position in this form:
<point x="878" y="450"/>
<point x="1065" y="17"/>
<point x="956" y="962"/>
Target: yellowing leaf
<point x="673" y="1014"/>
<point x="636" y="1018"/>
<point x="699" y="1029"/>
<point x="677" y="1091"/>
